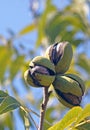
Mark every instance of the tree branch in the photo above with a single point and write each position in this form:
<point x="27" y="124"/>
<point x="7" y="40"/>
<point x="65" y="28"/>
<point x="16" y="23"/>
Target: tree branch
<point x="43" y="107"/>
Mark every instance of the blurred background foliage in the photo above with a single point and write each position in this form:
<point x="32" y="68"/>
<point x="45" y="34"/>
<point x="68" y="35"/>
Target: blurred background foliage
<point x="70" y="23"/>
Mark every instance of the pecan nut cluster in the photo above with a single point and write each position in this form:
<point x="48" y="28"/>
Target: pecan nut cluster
<point x="49" y="70"/>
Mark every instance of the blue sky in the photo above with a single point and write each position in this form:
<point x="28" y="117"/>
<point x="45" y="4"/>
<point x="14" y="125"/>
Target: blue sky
<point x="14" y="14"/>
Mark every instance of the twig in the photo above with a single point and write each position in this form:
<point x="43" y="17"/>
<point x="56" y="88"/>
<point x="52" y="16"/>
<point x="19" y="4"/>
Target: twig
<point x="43" y="107"/>
<point x="33" y="121"/>
<point x="29" y="110"/>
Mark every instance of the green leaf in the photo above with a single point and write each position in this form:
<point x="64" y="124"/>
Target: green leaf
<point x="84" y="62"/>
<point x="2" y="95"/>
<point x="84" y="114"/>
<point x="16" y="65"/>
<point x="68" y="119"/>
<point x="87" y="83"/>
<point x="25" y="118"/>
<point x="7" y="103"/>
<point x="8" y="121"/>
<point x="58" y="26"/>
<point x="42" y="22"/>
<point x="84" y="125"/>
<point x="27" y="29"/>
<point x="26" y="121"/>
<point x="5" y="57"/>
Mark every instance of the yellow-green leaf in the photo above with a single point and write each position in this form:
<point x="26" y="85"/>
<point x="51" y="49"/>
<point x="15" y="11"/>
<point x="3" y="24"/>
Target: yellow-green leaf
<point x="84" y="125"/>
<point x="5" y="56"/>
<point x="68" y="119"/>
<point x="27" y="29"/>
<point x="84" y="114"/>
<point x="16" y="66"/>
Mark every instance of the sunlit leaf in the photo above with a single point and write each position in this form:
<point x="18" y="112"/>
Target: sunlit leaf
<point x="84" y="114"/>
<point x="9" y="120"/>
<point x="24" y="117"/>
<point x="27" y="29"/>
<point x="7" y="103"/>
<point x="5" y="57"/>
<point x="87" y="83"/>
<point x="68" y="119"/>
<point x="26" y="121"/>
<point x="84" y="125"/>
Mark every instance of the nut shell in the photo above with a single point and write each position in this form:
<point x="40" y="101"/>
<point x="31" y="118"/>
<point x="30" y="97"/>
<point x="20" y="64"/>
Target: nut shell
<point x="42" y="61"/>
<point x="60" y="55"/>
<point x="39" y="74"/>
<point x="68" y="90"/>
<point x="77" y="79"/>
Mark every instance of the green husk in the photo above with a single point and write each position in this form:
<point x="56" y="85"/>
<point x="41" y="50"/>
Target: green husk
<point x="78" y="79"/>
<point x="43" y="61"/>
<point x="69" y="89"/>
<point x="67" y="85"/>
<point x="64" y="62"/>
